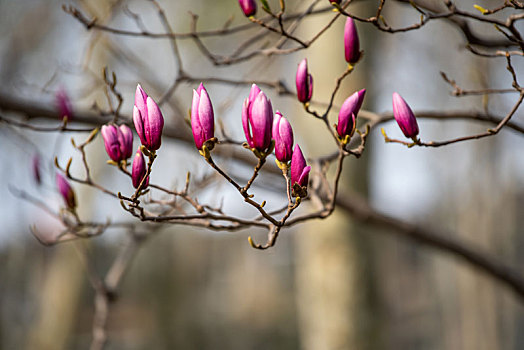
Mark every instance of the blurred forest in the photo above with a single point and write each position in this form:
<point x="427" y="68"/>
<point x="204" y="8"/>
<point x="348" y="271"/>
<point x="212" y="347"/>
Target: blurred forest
<point x="337" y="283"/>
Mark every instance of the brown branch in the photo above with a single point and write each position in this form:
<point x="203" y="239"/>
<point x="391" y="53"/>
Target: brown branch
<point x="458" y="91"/>
<point x="105" y="291"/>
<point x="488" y="133"/>
<point x="92" y="23"/>
<point x="240" y="189"/>
<point x="471" y="37"/>
<point x="360" y="210"/>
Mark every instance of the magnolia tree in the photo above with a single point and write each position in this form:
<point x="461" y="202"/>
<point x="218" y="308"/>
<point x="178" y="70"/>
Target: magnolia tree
<point x="269" y="137"/>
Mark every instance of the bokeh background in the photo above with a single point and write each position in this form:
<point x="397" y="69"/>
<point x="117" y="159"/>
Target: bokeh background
<point x="332" y="284"/>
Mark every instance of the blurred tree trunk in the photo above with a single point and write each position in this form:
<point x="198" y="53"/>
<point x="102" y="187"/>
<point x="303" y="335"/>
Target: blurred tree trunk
<point x="59" y="299"/>
<point x="331" y="283"/>
<point x="485" y="218"/>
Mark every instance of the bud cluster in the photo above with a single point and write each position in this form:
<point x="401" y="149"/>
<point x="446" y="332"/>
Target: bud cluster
<point x="118" y="140"/>
<point x="266" y="132"/>
<point x="347" y="116"/>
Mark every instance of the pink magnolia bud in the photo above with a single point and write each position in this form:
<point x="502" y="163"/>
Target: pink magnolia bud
<point x="351" y="43"/>
<point x="304" y="82"/>
<point x="118" y="141"/>
<point x="249" y="7"/>
<point x="141" y="109"/>
<point x="404" y="116"/>
<point x="283" y="136"/>
<point x="66" y="191"/>
<point x="202" y="117"/>
<point x="63" y="104"/>
<point x="126" y="141"/>
<point x="139" y="169"/>
<point x="148" y="120"/>
<point x="348" y="114"/>
<point x="257" y="119"/>
<point x="35" y="166"/>
<point x="299" y="170"/>
<point x="334" y="1"/>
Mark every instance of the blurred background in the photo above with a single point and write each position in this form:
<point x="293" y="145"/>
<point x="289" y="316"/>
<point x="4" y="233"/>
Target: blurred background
<point x="331" y="284"/>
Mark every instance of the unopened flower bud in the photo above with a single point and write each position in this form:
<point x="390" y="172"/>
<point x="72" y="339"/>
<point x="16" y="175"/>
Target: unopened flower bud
<point x="63" y="104"/>
<point x="257" y="119"/>
<point x="304" y="82"/>
<point x="126" y="141"/>
<point x="202" y="117"/>
<point x="148" y="120"/>
<point x="118" y="141"/>
<point x="404" y="116"/>
<point x="283" y="136"/>
<point x="139" y="169"/>
<point x="351" y="42"/>
<point x="299" y="169"/>
<point x="348" y="114"/>
<point x="334" y="1"/>
<point x="35" y="167"/>
<point x="66" y="191"/>
<point x="249" y="7"/>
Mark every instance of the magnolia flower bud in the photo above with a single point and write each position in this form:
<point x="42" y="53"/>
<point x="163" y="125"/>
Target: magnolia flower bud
<point x="283" y="136"/>
<point x="334" y="1"/>
<point x="118" y="141"/>
<point x="404" y="117"/>
<point x="126" y="142"/>
<point x="348" y="114"/>
<point x="35" y="167"/>
<point x="202" y="117"/>
<point x="304" y="82"/>
<point x="257" y="119"/>
<point x="249" y="7"/>
<point x="139" y="169"/>
<point x="63" y="104"/>
<point x="351" y="43"/>
<point x="148" y="120"/>
<point x="66" y="191"/>
<point x="299" y="170"/>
